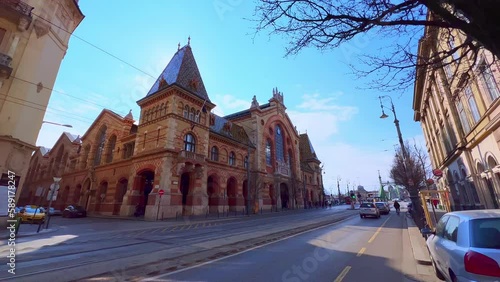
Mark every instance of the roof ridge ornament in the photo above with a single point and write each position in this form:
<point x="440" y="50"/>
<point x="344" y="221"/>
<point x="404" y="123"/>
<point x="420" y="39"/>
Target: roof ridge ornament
<point x="189" y="40"/>
<point x="179" y="46"/>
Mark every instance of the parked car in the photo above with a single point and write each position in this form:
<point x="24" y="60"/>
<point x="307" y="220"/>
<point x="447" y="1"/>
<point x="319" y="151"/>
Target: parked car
<point x="368" y="209"/>
<point x="32" y="214"/>
<point x="74" y="211"/>
<point x="53" y="211"/>
<point x="465" y="246"/>
<point x="383" y="207"/>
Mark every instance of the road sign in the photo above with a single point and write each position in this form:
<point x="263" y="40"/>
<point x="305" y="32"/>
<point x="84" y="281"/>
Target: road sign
<point x="161" y="192"/>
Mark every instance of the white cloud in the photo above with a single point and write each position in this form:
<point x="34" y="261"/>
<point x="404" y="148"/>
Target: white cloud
<point x="359" y="166"/>
<point x="228" y="104"/>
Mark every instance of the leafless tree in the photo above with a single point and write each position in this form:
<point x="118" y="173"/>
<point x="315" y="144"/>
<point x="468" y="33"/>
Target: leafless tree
<point x="327" y="24"/>
<point x="408" y="171"/>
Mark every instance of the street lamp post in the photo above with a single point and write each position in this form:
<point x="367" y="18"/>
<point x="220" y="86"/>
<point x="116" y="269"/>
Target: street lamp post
<point x="414" y="197"/>
<point x="54" y="123"/>
<point x="396" y="122"/>
<point x="53" y="190"/>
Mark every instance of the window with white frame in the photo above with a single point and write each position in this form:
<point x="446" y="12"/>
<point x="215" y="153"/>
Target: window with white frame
<point x="189" y="143"/>
<point x="214" y="154"/>
<point x="488" y="80"/>
<point x="472" y="104"/>
<point x="232" y="158"/>
<point x="463" y="116"/>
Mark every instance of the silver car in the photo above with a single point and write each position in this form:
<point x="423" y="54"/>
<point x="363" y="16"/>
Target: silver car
<point x="368" y="209"/>
<point x="465" y="246"/>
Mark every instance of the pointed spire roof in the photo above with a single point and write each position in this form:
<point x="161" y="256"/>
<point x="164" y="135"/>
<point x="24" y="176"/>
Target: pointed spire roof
<point x="182" y="70"/>
<point x="129" y="115"/>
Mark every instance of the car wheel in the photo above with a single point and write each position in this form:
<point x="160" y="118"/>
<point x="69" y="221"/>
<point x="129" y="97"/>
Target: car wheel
<point x="438" y="273"/>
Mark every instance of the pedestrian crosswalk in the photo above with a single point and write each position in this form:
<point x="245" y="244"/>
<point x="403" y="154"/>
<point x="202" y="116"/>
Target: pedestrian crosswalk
<point x="162" y="230"/>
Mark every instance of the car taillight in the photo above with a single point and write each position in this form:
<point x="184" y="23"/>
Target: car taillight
<point x="480" y="264"/>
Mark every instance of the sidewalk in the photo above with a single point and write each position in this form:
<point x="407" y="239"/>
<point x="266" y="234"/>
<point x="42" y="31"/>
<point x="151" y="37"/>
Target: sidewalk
<point x="26" y="230"/>
<point x="419" y="248"/>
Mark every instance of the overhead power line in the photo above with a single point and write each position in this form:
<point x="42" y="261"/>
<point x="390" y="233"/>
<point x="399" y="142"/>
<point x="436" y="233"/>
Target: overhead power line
<point x="93" y="45"/>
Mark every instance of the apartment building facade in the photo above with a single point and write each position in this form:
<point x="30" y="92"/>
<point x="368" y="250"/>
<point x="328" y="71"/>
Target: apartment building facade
<point x="458" y="107"/>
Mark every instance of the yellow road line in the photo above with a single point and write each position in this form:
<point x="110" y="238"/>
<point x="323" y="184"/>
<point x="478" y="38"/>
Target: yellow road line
<point x="361" y="252"/>
<point x="342" y="274"/>
<point x="378" y="230"/>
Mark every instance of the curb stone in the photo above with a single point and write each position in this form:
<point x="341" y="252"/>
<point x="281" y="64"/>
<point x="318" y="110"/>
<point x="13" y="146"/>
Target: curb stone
<point x="418" y="245"/>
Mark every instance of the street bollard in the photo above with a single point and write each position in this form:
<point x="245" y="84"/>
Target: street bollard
<point x="39" y="227"/>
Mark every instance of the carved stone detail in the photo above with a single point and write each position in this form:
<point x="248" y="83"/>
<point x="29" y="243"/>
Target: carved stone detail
<point x="41" y="28"/>
<point x="24" y="23"/>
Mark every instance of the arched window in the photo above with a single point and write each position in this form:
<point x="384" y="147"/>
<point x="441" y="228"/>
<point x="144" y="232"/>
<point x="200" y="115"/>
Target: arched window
<point x="111" y="149"/>
<point x="185" y="114"/>
<point x="278" y="139"/>
<point x="162" y="109"/>
<point x="245" y="162"/>
<point x="232" y="158"/>
<point x="101" y="139"/>
<point x="214" y="154"/>
<point x="197" y="117"/>
<point x="268" y="153"/>
<point x="189" y="143"/>
<point x="191" y="114"/>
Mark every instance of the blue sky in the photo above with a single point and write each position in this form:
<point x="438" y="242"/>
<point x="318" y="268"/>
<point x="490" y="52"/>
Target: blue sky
<point x="321" y="96"/>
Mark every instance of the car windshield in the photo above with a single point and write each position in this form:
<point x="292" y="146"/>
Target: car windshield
<point x="485" y="233"/>
<point x="382" y="205"/>
<point x="367" y="205"/>
<point x="32" y="210"/>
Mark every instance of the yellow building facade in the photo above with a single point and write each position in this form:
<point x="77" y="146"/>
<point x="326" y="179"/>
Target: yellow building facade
<point x="179" y="158"/>
<point x="458" y="107"/>
<point x="34" y="38"/>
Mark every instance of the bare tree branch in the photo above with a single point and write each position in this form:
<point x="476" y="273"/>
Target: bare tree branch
<point x="326" y="24"/>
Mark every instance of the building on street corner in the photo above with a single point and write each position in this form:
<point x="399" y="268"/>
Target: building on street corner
<point x="457" y="106"/>
<point x="34" y="38"/>
<point x="204" y="163"/>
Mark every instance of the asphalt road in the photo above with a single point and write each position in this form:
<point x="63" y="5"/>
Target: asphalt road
<point x="355" y="250"/>
<point x="67" y="255"/>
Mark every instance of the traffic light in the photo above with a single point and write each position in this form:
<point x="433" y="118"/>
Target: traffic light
<point x="353" y="196"/>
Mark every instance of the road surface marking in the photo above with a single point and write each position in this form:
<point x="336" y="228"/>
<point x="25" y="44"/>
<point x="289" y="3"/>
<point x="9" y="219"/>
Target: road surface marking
<point x="165" y="229"/>
<point x="378" y="230"/>
<point x="173" y="229"/>
<point x="158" y="278"/>
<point x="361" y="252"/>
<point x="343" y="274"/>
<point x="204" y="224"/>
<point x="139" y="232"/>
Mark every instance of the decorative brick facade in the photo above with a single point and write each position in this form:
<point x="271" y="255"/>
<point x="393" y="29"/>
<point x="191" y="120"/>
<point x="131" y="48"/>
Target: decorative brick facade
<point x="197" y="158"/>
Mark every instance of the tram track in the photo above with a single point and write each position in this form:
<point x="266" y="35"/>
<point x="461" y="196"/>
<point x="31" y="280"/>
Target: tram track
<point x="36" y="263"/>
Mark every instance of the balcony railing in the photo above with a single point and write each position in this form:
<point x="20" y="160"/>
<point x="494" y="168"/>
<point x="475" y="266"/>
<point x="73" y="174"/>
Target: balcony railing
<point x="5" y="69"/>
<point x="17" y="6"/>
<point x="191" y="156"/>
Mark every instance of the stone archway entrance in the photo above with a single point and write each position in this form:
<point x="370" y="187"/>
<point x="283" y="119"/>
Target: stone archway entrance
<point x="213" y="191"/>
<point x="185" y="189"/>
<point x="232" y="200"/>
<point x="145" y="184"/>
<point x="121" y="190"/>
<point x="285" y="196"/>
<point x="86" y="195"/>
